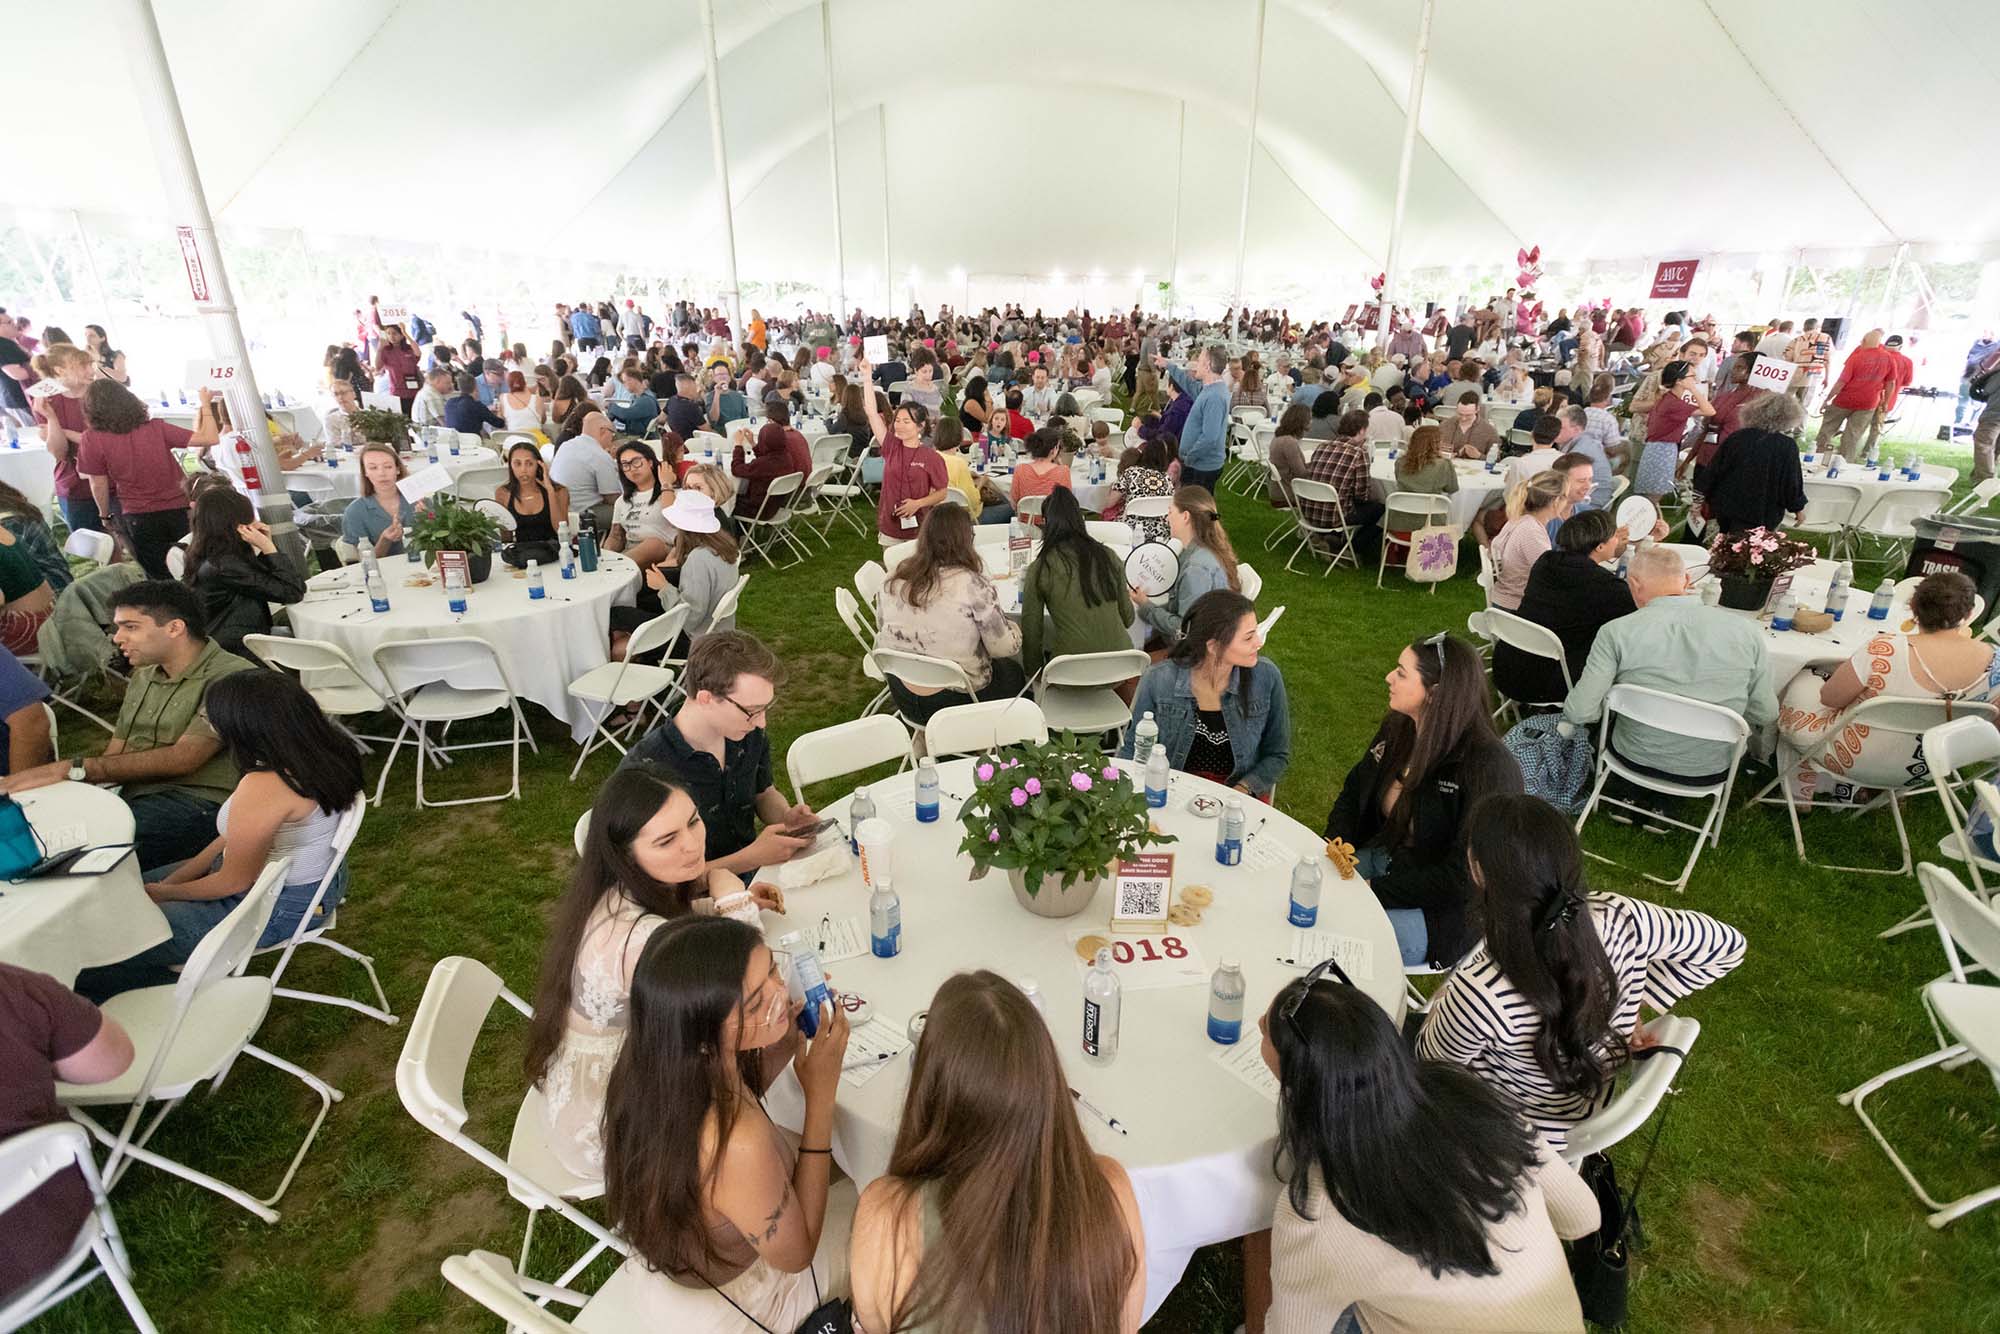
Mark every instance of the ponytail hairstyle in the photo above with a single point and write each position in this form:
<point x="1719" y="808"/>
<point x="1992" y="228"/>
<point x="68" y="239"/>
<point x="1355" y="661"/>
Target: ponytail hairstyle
<point x="1537" y="493"/>
<point x="1524" y="855"/>
<point x="1205" y="524"/>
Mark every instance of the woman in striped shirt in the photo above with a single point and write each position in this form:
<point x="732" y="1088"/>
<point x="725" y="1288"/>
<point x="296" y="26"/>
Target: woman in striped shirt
<point x="1546" y="1007"/>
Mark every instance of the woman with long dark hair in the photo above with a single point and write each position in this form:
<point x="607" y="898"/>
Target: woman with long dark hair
<point x="1547" y="1006"/>
<point x="941" y="603"/>
<point x="109" y="358"/>
<point x="644" y="862"/>
<point x="1219" y="702"/>
<point x="233" y="563"/>
<point x="1681" y="399"/>
<point x="637" y="528"/>
<point x="1415" y="1197"/>
<point x="568" y="408"/>
<point x="728" y="1220"/>
<point x="994" y="1213"/>
<point x="299" y="774"/>
<point x="1403" y="805"/>
<point x="1078" y="582"/>
<point x="539" y="506"/>
<point x="914" y="481"/>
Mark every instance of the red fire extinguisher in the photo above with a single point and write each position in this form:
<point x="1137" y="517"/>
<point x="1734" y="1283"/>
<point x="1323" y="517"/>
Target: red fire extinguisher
<point x="246" y="464"/>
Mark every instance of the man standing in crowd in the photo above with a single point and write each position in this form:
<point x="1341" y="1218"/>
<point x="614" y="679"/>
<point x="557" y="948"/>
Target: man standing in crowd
<point x="1905" y="371"/>
<point x="1205" y="441"/>
<point x="1855" y="396"/>
<point x="1984" y="378"/>
<point x="1809" y="352"/>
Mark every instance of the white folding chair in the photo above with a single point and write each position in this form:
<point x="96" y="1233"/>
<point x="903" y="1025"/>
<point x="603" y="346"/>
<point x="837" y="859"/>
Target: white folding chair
<point x="843" y="491"/>
<point x="1830" y="511"/>
<point x="1524" y="636"/>
<point x="1646" y="1086"/>
<point x="420" y="672"/>
<point x="430" y="1080"/>
<point x="1115" y="416"/>
<point x="1892" y="518"/>
<point x="1251" y="582"/>
<point x="982" y="726"/>
<point x="807" y="505"/>
<point x="312" y="930"/>
<point x="1287" y="506"/>
<point x="1408" y="511"/>
<point x="612" y="686"/>
<point x="1031" y="506"/>
<point x="1681" y="716"/>
<point x="1968" y="1012"/>
<point x="27" y="1162"/>
<point x="868" y="580"/>
<point x="581" y="832"/>
<point x="1952" y="752"/>
<point x="845" y="748"/>
<point x="317" y="486"/>
<point x="726" y="605"/>
<point x="1883" y="764"/>
<point x="1305" y="491"/>
<point x="333" y="681"/>
<point x="760" y="535"/>
<point x="1978" y="498"/>
<point x="624" y="1302"/>
<point x="480" y="481"/>
<point x="1967" y="927"/>
<point x="1074" y="690"/>
<point x="90" y="544"/>
<point x="864" y="635"/>
<point x="918" y="670"/>
<point x="189" y="1034"/>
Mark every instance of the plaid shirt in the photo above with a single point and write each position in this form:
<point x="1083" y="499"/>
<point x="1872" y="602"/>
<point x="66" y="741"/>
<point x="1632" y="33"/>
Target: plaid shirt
<point x="1343" y="465"/>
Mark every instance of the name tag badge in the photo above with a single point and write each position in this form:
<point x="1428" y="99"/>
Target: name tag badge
<point x="909" y="521"/>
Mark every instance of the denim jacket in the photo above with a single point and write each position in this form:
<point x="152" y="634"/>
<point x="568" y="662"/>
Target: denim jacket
<point x="1259" y="719"/>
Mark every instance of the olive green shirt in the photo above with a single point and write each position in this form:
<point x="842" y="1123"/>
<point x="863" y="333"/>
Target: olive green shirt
<point x="1054" y="586"/>
<point x="159" y="710"/>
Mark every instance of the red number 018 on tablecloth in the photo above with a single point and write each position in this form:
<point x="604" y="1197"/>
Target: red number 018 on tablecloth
<point x="1147" y="950"/>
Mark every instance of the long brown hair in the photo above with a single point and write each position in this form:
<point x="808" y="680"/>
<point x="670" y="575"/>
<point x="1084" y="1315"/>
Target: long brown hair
<point x="625" y="803"/>
<point x="217" y="514"/>
<point x="1032" y="1237"/>
<point x="1205" y="520"/>
<point x="361" y="471"/>
<point x="945" y="542"/>
<point x="1457" y="718"/>
<point x="1424" y="448"/>
<point x="719" y="543"/>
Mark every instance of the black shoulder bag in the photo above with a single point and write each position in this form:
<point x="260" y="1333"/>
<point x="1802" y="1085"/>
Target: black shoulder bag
<point x="1598" y="1263"/>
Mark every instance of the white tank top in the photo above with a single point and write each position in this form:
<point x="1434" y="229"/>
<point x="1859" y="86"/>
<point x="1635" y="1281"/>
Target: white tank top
<point x="308" y="842"/>
<point x="522" y="419"/>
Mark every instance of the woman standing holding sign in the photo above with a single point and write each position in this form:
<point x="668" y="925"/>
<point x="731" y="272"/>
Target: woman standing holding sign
<point x="913" y="475"/>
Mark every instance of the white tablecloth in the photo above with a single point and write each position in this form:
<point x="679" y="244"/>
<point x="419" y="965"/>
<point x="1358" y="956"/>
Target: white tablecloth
<point x="1869" y="480"/>
<point x="63" y="924"/>
<point x="1475" y="484"/>
<point x="30" y="469"/>
<point x="1199" y="1147"/>
<point x="542" y="645"/>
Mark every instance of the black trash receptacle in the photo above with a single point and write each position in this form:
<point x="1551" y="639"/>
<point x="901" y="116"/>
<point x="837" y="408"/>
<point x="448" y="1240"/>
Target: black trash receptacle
<point x="1967" y="544"/>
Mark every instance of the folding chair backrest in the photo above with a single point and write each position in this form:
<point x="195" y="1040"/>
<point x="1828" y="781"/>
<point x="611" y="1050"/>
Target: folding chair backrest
<point x="580" y="832"/>
<point x="916" y="669"/>
<point x="1894" y="510"/>
<point x="1964" y="923"/>
<point x="1251" y="582"/>
<point x="1829" y="504"/>
<point x="985" y="725"/>
<point x="1884" y="763"/>
<point x="317" y="485"/>
<point x="229" y="943"/>
<point x="868" y="580"/>
<point x="829" y="450"/>
<point x="1030" y="506"/>
<point x="90" y="544"/>
<point x="1650" y="1081"/>
<point x="1695" y="718"/>
<point x="1953" y="747"/>
<point x="850" y="616"/>
<point x="658" y="633"/>
<point x="725" y="606"/>
<point x="1487" y="569"/>
<point x="430" y="1073"/>
<point x="1111" y="532"/>
<point x="1523" y="634"/>
<point x="490" y="1280"/>
<point x="1415" y="509"/>
<point x="409" y="664"/>
<point x="31" y="1157"/>
<point x="902" y="551"/>
<point x="307" y="655"/>
<point x="481" y="482"/>
<point x="845" y="748"/>
<point x="1148" y="507"/>
<point x="1095" y="670"/>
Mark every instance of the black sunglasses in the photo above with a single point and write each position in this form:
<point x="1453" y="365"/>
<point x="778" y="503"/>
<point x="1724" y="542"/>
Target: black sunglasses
<point x="1325" y="967"/>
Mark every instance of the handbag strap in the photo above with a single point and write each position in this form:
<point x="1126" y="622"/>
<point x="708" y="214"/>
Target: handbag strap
<point x="818" y="1300"/>
<point x="1659" y="1126"/>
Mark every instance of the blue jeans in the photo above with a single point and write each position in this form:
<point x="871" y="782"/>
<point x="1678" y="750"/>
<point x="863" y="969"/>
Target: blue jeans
<point x="190" y="920"/>
<point x="81" y="513"/>
<point x="1413" y="938"/>
<point x="1349" y="1323"/>
<point x="171" y="826"/>
<point x="1000" y="513"/>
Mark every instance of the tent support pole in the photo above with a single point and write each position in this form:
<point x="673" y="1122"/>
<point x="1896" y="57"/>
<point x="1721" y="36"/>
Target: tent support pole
<point x="90" y="263"/>
<point x="1249" y="161"/>
<point x="888" y="251"/>
<point x="1889" y="292"/>
<point x="1174" y="264"/>
<point x="833" y="155"/>
<point x="1418" y="67"/>
<point x="720" y="151"/>
<point x="208" y="280"/>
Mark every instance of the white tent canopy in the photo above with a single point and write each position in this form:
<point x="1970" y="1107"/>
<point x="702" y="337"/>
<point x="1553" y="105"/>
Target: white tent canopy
<point x="1042" y="135"/>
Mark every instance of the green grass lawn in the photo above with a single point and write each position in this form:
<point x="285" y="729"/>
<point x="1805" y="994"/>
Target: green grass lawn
<point x="1768" y="1208"/>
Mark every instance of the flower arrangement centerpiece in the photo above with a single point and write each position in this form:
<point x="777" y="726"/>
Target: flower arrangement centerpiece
<point x="1749" y="562"/>
<point x="446" y="523"/>
<point x="1057" y="817"/>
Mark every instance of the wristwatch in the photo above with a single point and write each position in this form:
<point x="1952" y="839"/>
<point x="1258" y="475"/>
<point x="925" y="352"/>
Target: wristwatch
<point x="76" y="772"/>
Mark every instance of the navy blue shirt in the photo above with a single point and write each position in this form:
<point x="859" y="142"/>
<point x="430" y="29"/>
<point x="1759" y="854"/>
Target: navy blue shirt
<point x="465" y="414"/>
<point x="19" y="688"/>
<point x="725" y="794"/>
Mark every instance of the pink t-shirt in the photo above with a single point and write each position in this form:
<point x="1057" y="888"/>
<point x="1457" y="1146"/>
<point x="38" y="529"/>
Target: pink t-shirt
<point x="1520" y="544"/>
<point x="140" y="465"/>
<point x="1031" y="479"/>
<point x="907" y="474"/>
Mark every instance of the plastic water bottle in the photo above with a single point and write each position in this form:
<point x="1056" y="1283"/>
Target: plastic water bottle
<point x="1885" y="597"/>
<point x="1836" y="592"/>
<point x="1101" y="1004"/>
<point x="1873" y="455"/>
<point x="1832" y="466"/>
<point x="586" y="550"/>
<point x="536" y="590"/>
<point x="566" y="550"/>
<point x="1493" y="458"/>
<point x="885" y="920"/>
<point x="1882" y="470"/>
<point x="267" y="402"/>
<point x="378" y="587"/>
<point x="807" y="982"/>
<point x="454" y="591"/>
<point x="1144" y="737"/>
<point x="1225" y="1003"/>
<point x="1305" y="894"/>
<point x="454" y="444"/>
<point x="1033" y="991"/>
<point x="1624" y="560"/>
<point x="927" y="791"/>
<point x="184" y="398"/>
<point x="1157" y="777"/>
<point x="13" y="436"/>
<point x="1781" y="618"/>
<point x="411" y="556"/>
<point x="862" y="807"/>
<point x="1229" y="834"/>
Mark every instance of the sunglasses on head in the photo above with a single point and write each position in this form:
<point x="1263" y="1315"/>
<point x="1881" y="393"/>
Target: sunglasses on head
<point x="1324" y="968"/>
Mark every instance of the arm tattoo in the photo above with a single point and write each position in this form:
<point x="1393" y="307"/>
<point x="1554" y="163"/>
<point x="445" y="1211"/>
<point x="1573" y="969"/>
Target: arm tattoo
<point x="771" y="1222"/>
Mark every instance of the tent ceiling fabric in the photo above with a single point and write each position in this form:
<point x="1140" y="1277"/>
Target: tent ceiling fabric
<point x="1047" y="141"/>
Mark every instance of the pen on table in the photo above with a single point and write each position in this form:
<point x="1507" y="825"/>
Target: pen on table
<point x="825" y="925"/>
<point x="1099" y="1113"/>
<point x="863" y="1062"/>
<point x="1258" y="830"/>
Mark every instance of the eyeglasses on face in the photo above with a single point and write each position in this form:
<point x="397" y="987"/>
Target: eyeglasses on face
<point x="750" y="715"/>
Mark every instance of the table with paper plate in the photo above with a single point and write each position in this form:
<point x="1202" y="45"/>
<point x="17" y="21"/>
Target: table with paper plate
<point x="63" y="924"/>
<point x="543" y="643"/>
<point x="1475" y="485"/>
<point x="1198" y="1117"/>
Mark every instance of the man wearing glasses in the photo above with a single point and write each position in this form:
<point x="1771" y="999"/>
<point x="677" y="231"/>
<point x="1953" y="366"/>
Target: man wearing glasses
<point x="715" y="747"/>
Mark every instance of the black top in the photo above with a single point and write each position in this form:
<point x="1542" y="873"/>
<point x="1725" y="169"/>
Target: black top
<point x="1457" y="340"/>
<point x="536" y="527"/>
<point x="1574" y="596"/>
<point x="726" y="793"/>
<point x="12" y="393"/>
<point x="685" y="416"/>
<point x="1753" y="481"/>
<point x="1428" y="871"/>
<point x="237" y="591"/>
<point x="859" y="433"/>
<point x="1209" y="754"/>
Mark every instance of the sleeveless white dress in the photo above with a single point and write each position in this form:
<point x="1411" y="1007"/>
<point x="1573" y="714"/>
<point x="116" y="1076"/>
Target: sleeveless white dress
<point x="523" y="419"/>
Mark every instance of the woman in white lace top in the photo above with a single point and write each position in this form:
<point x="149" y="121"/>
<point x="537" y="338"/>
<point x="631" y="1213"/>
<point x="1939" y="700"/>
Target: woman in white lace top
<point x="644" y="861"/>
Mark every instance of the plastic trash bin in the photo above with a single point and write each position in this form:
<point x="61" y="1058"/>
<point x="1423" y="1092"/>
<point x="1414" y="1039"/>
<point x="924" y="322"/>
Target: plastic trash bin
<point x="1967" y="544"/>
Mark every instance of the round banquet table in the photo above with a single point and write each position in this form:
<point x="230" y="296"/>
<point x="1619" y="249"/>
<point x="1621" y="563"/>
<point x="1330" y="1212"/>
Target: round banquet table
<point x="63" y="924"/>
<point x="30" y="469"/>
<point x="340" y="466"/>
<point x="1790" y="651"/>
<point x="1475" y="486"/>
<point x="543" y="646"/>
<point x="1199" y="1139"/>
<point x="1868" y="479"/>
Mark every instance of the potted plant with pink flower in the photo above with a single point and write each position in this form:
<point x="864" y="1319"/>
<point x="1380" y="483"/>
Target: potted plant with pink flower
<point x="1057" y="818"/>
<point x="1749" y="563"/>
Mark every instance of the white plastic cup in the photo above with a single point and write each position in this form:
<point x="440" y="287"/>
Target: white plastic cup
<point x="876" y="838"/>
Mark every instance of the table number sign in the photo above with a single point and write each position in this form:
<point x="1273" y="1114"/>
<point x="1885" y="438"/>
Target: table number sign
<point x="875" y="347"/>
<point x="212" y="373"/>
<point x="1772" y="373"/>
<point x="1146" y="963"/>
<point x="447" y="561"/>
<point x="1140" y="893"/>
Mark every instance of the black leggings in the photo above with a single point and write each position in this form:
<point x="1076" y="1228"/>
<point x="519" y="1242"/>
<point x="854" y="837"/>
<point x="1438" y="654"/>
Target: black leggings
<point x="153" y="535"/>
<point x="1008" y="678"/>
